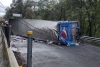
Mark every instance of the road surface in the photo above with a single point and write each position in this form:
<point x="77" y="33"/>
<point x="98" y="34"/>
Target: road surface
<point x="61" y="56"/>
<point x="45" y="55"/>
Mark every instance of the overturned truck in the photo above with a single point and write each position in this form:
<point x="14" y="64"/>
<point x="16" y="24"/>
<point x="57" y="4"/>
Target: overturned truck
<point x="56" y="31"/>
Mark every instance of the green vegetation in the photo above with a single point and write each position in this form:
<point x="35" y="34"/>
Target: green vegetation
<point x="85" y="11"/>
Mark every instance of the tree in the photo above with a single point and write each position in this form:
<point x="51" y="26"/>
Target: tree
<point x="87" y="12"/>
<point x="8" y="14"/>
<point x="19" y="7"/>
<point x="29" y="13"/>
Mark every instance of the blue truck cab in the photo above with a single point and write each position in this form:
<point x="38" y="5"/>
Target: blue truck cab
<point x="67" y="32"/>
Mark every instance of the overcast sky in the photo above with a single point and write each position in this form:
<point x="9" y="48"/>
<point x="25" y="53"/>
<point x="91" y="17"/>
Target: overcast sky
<point x="6" y="3"/>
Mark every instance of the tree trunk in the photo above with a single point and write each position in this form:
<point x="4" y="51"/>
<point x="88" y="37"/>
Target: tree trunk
<point x="90" y="23"/>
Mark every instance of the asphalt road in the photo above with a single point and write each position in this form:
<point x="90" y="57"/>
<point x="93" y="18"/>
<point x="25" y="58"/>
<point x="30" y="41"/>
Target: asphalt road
<point x="45" y="55"/>
<point x="61" y="56"/>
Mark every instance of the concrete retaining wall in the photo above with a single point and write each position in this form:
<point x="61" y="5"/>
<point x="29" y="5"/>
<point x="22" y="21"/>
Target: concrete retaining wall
<point x="8" y="53"/>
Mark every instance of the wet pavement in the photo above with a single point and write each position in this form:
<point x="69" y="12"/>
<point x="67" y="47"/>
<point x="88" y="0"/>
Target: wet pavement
<point x="61" y="56"/>
<point x="45" y="55"/>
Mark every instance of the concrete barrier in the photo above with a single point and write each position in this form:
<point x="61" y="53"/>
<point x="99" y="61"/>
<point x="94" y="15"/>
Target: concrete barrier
<point x="8" y="53"/>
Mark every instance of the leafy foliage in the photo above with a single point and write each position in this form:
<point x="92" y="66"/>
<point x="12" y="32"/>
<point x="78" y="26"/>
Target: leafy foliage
<point x="85" y="11"/>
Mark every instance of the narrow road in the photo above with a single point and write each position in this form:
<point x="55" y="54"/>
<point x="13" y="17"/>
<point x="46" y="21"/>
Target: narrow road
<point x="62" y="56"/>
<point x="45" y="55"/>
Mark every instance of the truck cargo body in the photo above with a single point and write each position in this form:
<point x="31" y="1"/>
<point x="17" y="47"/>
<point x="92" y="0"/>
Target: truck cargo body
<point x="67" y="32"/>
<point x="42" y="29"/>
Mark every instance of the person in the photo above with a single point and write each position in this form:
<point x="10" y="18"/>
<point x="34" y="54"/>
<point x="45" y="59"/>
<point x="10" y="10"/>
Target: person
<point x="64" y="33"/>
<point x="78" y="35"/>
<point x="73" y="32"/>
<point x="7" y="32"/>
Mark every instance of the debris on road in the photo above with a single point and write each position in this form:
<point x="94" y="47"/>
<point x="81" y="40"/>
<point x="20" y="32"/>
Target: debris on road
<point x="45" y="55"/>
<point x="21" y="61"/>
<point x="16" y="42"/>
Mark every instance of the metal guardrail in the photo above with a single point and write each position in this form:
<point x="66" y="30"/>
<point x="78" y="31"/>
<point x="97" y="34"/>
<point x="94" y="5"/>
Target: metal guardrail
<point x="94" y="39"/>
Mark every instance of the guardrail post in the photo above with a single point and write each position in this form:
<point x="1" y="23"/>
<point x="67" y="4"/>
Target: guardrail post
<point x="29" y="49"/>
<point x="7" y="33"/>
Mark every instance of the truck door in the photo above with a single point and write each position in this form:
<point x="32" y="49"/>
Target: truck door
<point x="67" y="32"/>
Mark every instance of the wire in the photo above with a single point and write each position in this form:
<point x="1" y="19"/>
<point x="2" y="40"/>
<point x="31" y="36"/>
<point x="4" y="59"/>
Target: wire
<point x="3" y="5"/>
<point x="26" y="25"/>
<point x="32" y="29"/>
<point x="43" y="33"/>
<point x="31" y="25"/>
<point x="36" y="28"/>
